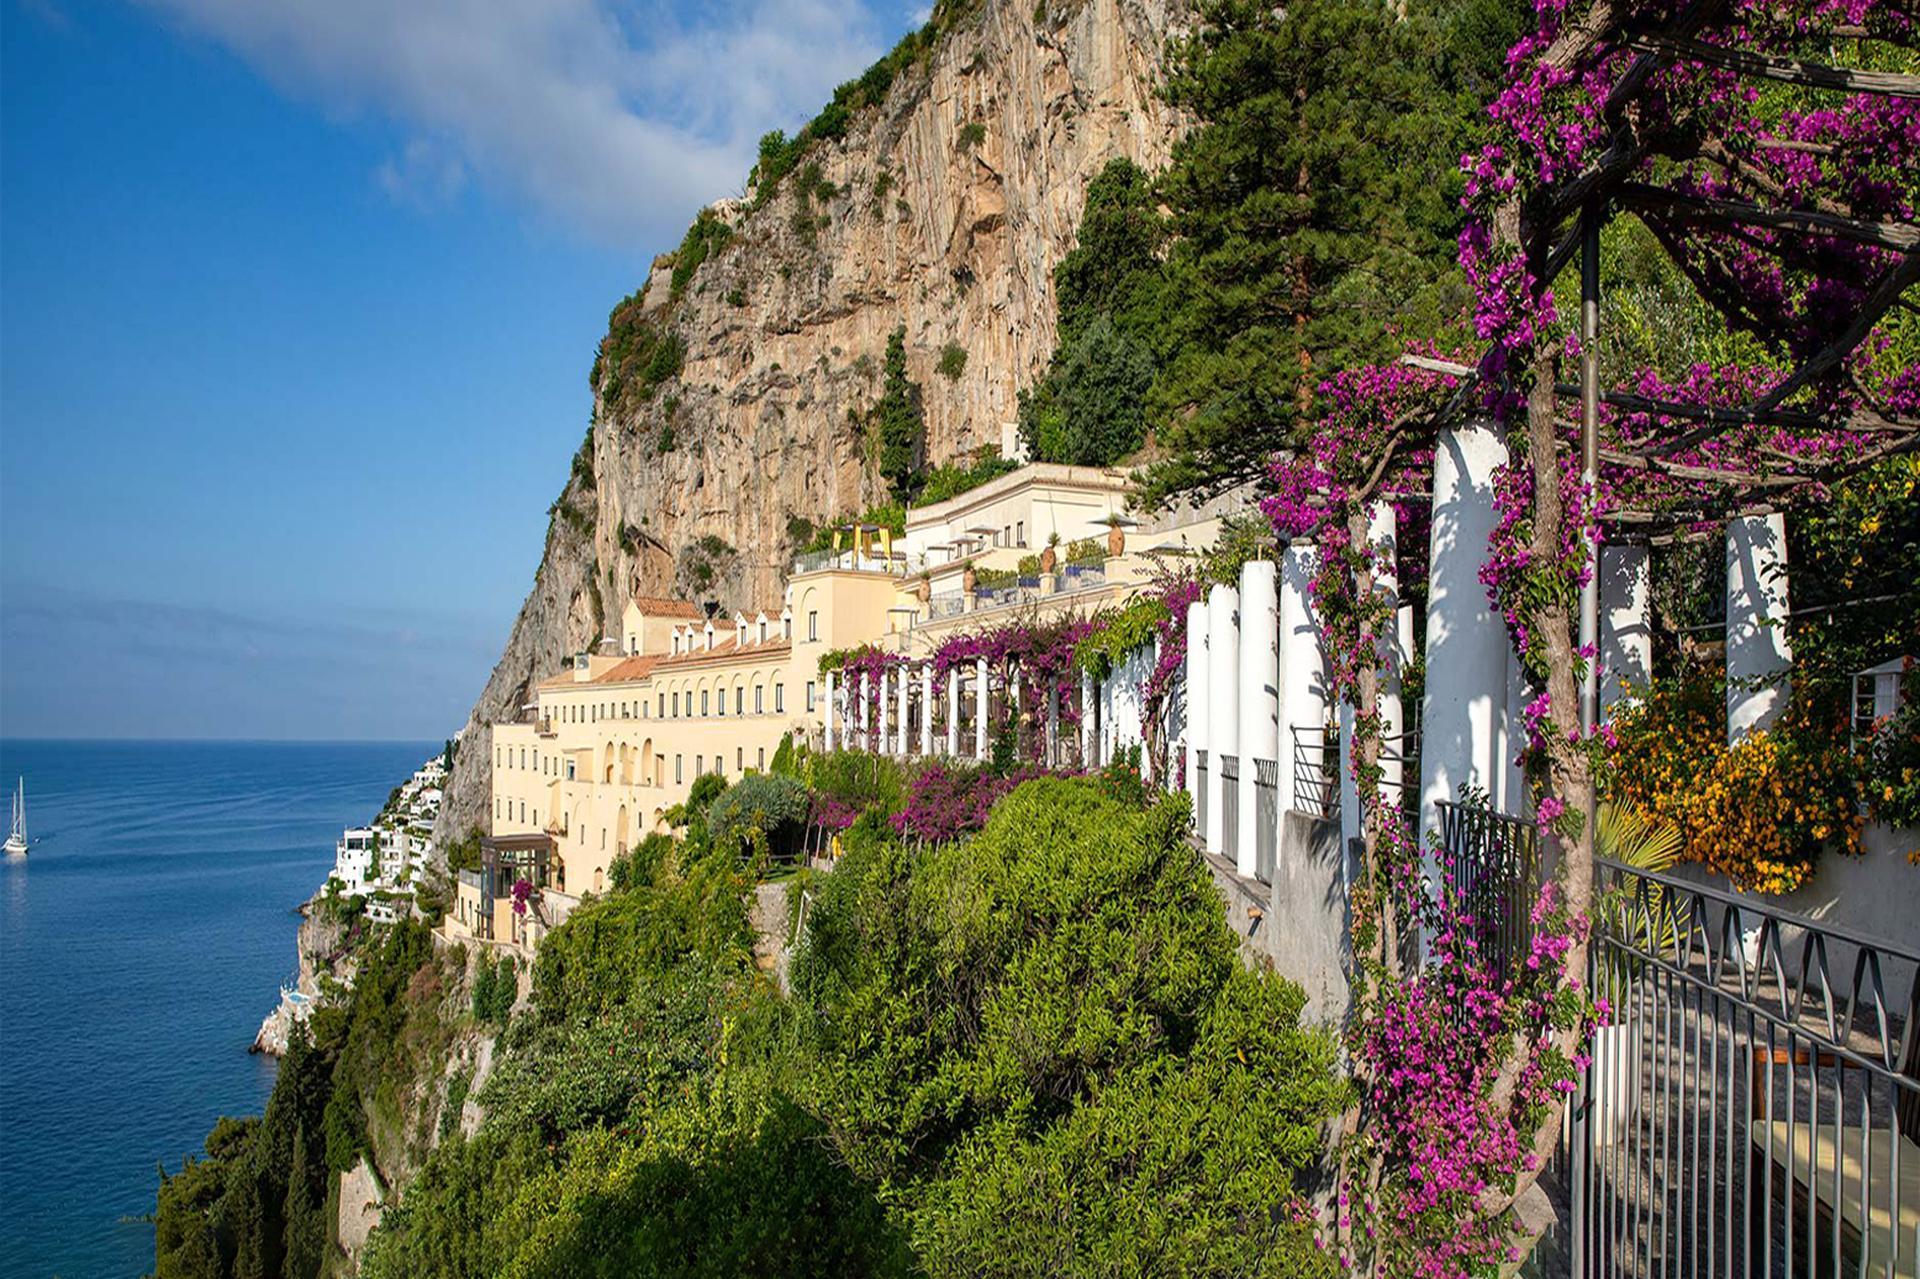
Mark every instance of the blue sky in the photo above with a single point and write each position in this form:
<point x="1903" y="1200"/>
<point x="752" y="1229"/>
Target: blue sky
<point x="297" y="303"/>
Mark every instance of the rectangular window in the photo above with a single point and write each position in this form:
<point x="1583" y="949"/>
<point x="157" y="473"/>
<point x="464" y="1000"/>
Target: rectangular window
<point x="813" y="625"/>
<point x="723" y="701"/>
<point x="569" y="770"/>
<point x="661" y="705"/>
<point x="758" y="693"/>
<point x="762" y="765"/>
<point x="699" y="765"/>
<point x="739" y="757"/>
<point x="676" y="706"/>
<point x="678" y="760"/>
<point x="1020" y="532"/>
<point x="739" y="701"/>
<point x="705" y="705"/>
<point x="779" y="698"/>
<point x="720" y="765"/>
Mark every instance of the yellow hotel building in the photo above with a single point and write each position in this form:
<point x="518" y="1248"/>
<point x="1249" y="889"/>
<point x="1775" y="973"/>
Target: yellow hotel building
<point x="607" y="746"/>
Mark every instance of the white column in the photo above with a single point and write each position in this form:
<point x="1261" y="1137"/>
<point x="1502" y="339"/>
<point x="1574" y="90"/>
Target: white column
<point x="1626" y="631"/>
<point x="1383" y="532"/>
<point x="953" y="712"/>
<point x="1196" y="698"/>
<point x="1223" y="702"/>
<point x="1303" y="673"/>
<point x="866" y="710"/>
<point x="1512" y="797"/>
<point x="926" y="709"/>
<point x="1467" y="643"/>
<point x="1053" y="725"/>
<point x="900" y="746"/>
<point x="830" y="710"/>
<point x="1259" y="696"/>
<point x="1150" y="664"/>
<point x="1091" y="721"/>
<point x="1759" y="657"/>
<point x="883" y="715"/>
<point x="980" y="708"/>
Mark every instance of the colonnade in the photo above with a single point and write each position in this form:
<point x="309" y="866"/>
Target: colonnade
<point x="1256" y="705"/>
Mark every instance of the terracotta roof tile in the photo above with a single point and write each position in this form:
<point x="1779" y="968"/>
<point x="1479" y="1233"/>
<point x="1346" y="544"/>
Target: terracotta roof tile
<point x="631" y="668"/>
<point x="661" y="606"/>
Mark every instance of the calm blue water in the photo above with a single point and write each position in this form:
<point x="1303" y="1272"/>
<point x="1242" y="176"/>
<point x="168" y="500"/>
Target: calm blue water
<point x="140" y="944"/>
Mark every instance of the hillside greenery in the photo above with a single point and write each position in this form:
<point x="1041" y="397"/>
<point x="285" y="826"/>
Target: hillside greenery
<point x="1030" y="1051"/>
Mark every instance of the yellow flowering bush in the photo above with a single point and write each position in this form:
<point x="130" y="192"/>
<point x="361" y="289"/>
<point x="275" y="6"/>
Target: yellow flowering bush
<point x="1760" y="812"/>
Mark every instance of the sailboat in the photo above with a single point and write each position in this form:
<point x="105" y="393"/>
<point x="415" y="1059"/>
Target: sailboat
<point x="16" y="845"/>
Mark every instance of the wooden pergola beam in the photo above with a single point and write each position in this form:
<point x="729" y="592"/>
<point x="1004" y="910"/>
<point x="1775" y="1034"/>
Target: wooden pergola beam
<point x="1767" y="66"/>
<point x="1901" y="237"/>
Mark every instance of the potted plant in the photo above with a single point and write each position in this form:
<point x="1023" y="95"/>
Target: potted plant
<point x="1050" y="557"/>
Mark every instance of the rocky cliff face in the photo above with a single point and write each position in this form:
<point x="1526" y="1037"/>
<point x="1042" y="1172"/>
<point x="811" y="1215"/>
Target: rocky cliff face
<point x="942" y="211"/>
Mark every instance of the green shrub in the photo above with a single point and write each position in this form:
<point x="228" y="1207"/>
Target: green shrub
<point x="641" y="864"/>
<point x="635" y="356"/>
<point x="773" y="808"/>
<point x="706" y="236"/>
<point x="951" y="479"/>
<point x="971" y="135"/>
<point x="993" y="579"/>
<point x="790" y="758"/>
<point x="665" y="441"/>
<point x="953" y="361"/>
<point x="1086" y="551"/>
<point x="613" y="946"/>
<point x="859" y="780"/>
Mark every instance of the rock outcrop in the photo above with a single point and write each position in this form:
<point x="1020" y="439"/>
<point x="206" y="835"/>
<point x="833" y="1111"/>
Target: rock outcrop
<point x="942" y="211"/>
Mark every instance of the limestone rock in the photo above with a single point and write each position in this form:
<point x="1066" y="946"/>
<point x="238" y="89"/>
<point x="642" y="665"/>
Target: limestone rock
<point x="953" y="199"/>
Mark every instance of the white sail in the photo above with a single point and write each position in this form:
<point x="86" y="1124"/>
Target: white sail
<point x="17" y="836"/>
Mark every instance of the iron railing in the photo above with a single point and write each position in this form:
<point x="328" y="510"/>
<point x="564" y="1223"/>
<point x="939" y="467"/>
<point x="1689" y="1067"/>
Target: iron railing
<point x="1492" y="865"/>
<point x="1230" y="807"/>
<point x="1316" y="769"/>
<point x="1752" y="1107"/>
<point x="1266" y="817"/>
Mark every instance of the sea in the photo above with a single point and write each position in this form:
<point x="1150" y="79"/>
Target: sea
<point x="141" y="941"/>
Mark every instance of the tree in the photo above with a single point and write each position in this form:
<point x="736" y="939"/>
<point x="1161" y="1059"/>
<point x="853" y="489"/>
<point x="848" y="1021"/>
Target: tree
<point x="1113" y="269"/>
<point x="1311" y="213"/>
<point x="1090" y="408"/>
<point x="898" y="423"/>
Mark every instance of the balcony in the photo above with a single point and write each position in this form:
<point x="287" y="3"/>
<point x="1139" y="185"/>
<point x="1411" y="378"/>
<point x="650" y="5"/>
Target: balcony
<point x="543" y="727"/>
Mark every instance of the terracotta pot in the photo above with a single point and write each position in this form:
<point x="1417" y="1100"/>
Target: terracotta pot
<point x="1047" y="560"/>
<point x="924" y="591"/>
<point x="968" y="581"/>
<point x="1116" y="541"/>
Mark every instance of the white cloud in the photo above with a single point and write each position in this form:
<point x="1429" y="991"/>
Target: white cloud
<point x="615" y="121"/>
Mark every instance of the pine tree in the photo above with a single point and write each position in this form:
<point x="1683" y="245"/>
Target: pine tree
<point x="1311" y="203"/>
<point x="898" y="422"/>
